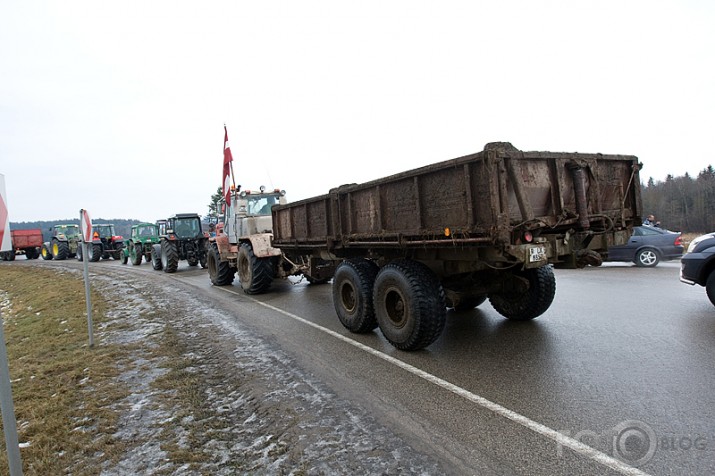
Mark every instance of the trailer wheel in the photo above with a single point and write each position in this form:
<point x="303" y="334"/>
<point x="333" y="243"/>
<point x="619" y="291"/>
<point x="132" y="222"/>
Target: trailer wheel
<point x="531" y="303"/>
<point x="9" y="255"/>
<point x="409" y="304"/>
<point x="156" y="257"/>
<point x="45" y="252"/>
<point x="352" y="294"/>
<point x="220" y="272"/>
<point x="169" y="256"/>
<point x="60" y="249"/>
<point x="30" y="253"/>
<point x="135" y="255"/>
<point x="95" y="252"/>
<point x="255" y="274"/>
<point x="78" y="255"/>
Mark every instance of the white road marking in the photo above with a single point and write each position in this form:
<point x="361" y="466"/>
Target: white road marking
<point x="526" y="422"/>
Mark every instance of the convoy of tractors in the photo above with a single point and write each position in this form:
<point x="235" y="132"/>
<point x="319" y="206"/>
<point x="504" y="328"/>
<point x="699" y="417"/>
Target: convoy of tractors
<point x="402" y="249"/>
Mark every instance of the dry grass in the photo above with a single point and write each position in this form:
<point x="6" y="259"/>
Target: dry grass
<point x="63" y="391"/>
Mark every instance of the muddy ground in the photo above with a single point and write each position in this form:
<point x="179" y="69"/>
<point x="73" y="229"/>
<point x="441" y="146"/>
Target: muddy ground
<point x="250" y="409"/>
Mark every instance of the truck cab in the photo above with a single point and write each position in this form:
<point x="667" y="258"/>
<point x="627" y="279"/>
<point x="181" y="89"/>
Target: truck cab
<point x="250" y="213"/>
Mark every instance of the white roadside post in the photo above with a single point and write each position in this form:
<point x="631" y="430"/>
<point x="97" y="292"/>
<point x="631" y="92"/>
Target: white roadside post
<point x="86" y="227"/>
<point x="7" y="407"/>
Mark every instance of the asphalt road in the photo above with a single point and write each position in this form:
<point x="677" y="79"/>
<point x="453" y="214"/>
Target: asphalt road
<point x="621" y="362"/>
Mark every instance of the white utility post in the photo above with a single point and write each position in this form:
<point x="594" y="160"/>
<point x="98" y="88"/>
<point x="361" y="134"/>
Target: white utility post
<point x="7" y="408"/>
<point x="86" y="228"/>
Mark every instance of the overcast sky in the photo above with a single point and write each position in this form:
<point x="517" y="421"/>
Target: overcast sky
<point x="119" y="107"/>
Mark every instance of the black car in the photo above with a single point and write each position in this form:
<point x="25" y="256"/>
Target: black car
<point x="697" y="266"/>
<point x="648" y="246"/>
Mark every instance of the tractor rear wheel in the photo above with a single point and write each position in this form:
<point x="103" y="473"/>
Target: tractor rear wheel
<point x="220" y="272"/>
<point x="156" y="257"/>
<point x="169" y="256"/>
<point x="255" y="274"/>
<point x="95" y="252"/>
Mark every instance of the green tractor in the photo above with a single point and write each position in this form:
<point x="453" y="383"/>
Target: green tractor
<point x="63" y="244"/>
<point x="105" y="244"/>
<point x="139" y="244"/>
<point x="182" y="238"/>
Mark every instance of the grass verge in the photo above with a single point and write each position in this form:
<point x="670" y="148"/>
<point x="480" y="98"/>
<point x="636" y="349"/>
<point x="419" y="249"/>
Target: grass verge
<point x="63" y="391"/>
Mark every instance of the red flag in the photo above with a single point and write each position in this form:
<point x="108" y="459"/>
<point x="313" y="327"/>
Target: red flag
<point x="227" y="159"/>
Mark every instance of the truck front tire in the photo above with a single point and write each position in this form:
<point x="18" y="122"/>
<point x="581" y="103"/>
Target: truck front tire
<point x="531" y="303"/>
<point x="220" y="272"/>
<point x="409" y="304"/>
<point x="352" y="294"/>
<point x="255" y="274"/>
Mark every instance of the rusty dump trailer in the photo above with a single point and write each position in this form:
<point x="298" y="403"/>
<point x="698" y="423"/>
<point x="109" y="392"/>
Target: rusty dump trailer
<point x="403" y="248"/>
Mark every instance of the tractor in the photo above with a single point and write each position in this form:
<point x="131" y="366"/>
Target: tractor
<point x="63" y="244"/>
<point x="182" y="239"/>
<point x="139" y="244"/>
<point x="105" y="244"/>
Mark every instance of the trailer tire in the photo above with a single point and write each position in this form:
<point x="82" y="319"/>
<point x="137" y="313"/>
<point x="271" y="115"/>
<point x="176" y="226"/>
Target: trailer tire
<point x="353" y="284"/>
<point x="45" y="253"/>
<point x="60" y="249"/>
<point x="95" y="252"/>
<point x="30" y="253"/>
<point x="255" y="274"/>
<point x="531" y="303"/>
<point x="169" y="256"/>
<point x="220" y="272"/>
<point x="409" y="304"/>
<point x="156" y="257"/>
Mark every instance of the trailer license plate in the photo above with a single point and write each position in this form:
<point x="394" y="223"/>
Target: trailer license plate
<point x="537" y="253"/>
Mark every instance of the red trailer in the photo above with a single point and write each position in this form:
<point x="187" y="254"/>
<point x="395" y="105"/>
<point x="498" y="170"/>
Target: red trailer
<point x="27" y="242"/>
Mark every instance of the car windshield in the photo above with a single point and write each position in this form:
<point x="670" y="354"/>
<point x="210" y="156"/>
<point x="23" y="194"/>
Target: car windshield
<point x="187" y="227"/>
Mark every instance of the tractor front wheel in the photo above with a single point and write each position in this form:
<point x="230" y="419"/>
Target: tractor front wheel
<point x="135" y="253"/>
<point x="156" y="257"/>
<point x="220" y="272"/>
<point x="45" y="252"/>
<point x="255" y="274"/>
<point x="60" y="249"/>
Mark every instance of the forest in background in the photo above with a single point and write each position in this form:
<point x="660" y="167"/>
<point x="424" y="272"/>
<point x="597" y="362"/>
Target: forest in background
<point x="682" y="203"/>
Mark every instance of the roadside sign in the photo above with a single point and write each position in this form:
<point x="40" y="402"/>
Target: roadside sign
<point x="85" y="225"/>
<point x="5" y="238"/>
